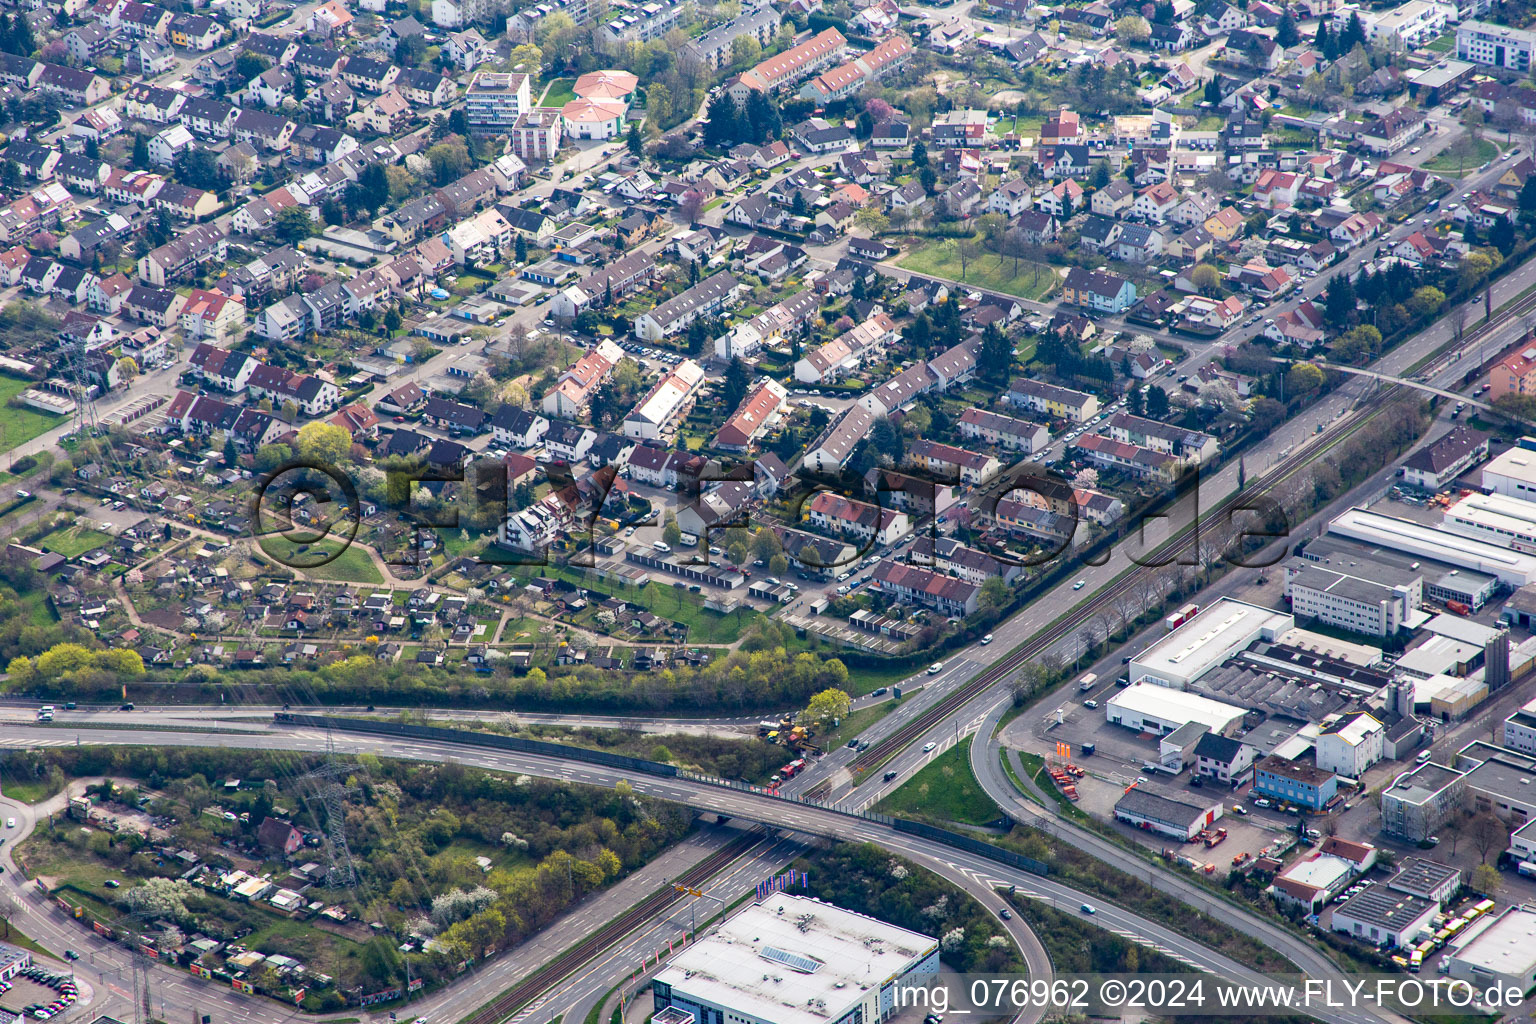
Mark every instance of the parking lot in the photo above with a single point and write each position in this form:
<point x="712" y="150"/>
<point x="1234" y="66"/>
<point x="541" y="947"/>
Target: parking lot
<point x="32" y="992"/>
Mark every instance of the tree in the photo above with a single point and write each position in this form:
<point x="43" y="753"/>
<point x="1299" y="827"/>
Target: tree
<point x="323" y="444"/>
<point x="723" y="114"/>
<point x="1340" y="301"/>
<point x="994" y="592"/>
<point x="633" y="142"/>
<point x="1132" y="28"/>
<point x="292" y="224"/>
<point x="919" y="154"/>
<point x="1285" y="33"/>
<point x="1157" y="402"/>
<point x="745" y="52"/>
<point x="828" y="706"/>
<point x="1528" y="195"/>
<point x="778" y="565"/>
<point x="1488" y="834"/>
<point x="449" y="160"/>
<point x="1486" y="879"/>
<point x="1206" y="279"/>
<point x="737" y="380"/>
<point x="380" y="960"/>
<point x="671" y="532"/>
<point x="872" y="220"/>
<point x="996" y="355"/>
<point x="886" y="440"/>
<point x="198" y="168"/>
<point x="1303" y="378"/>
<point x="249" y="65"/>
<point x="1428" y="299"/>
<point x="140" y="151"/>
<point x="520" y="249"/>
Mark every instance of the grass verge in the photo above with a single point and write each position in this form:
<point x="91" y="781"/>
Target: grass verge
<point x="944" y="790"/>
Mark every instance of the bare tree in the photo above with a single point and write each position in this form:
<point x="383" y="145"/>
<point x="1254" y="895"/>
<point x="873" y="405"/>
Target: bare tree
<point x="1488" y="834"/>
<point x="1460" y="318"/>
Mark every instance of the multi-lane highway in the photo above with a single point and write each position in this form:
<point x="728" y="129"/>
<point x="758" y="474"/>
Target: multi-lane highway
<point x="978" y="873"/>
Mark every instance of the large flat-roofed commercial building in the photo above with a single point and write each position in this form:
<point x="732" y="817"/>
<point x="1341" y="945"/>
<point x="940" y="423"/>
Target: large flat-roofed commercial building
<point x="795" y="960"/>
<point x="1354" y="601"/>
<point x="1386" y="918"/>
<point x="1512" y="474"/>
<point x="1499" y="780"/>
<point x="1495" y="518"/>
<point x="1205" y="641"/>
<point x="1497" y="46"/>
<point x="1176" y="818"/>
<point x="1520" y="730"/>
<point x="1419" y="801"/>
<point x="1511" y="567"/>
<point x="1441" y="581"/>
<point x="1426" y="879"/>
<point x="1503" y="953"/>
<point x="1159" y="710"/>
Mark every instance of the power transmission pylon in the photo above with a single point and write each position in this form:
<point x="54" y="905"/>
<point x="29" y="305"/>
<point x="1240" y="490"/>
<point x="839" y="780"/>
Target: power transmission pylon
<point x="333" y="798"/>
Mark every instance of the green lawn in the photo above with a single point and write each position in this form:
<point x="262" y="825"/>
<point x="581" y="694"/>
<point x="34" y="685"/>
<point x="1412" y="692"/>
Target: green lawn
<point x="946" y="790"/>
<point x="1018" y="125"/>
<point x="1462" y="159"/>
<point x="73" y="541"/>
<point x="19" y="424"/>
<point x="1444" y="44"/>
<point x="558" y="93"/>
<point x="940" y="258"/>
<point x="352" y="566"/>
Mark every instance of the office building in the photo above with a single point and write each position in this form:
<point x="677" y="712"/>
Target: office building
<point x="1295" y="782"/>
<point x="1357" y="602"/>
<point x="1426" y="879"/>
<point x="1421" y="800"/>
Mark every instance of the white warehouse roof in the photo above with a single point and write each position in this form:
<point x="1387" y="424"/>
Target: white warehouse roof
<point x="1205" y="641"/>
<point x="1412" y="538"/>
<point x="774" y="960"/>
<point x="1168" y="705"/>
<point x="1506" y="947"/>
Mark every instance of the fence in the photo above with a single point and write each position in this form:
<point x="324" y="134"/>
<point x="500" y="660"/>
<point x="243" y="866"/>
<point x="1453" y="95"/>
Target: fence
<point x="602" y="757"/>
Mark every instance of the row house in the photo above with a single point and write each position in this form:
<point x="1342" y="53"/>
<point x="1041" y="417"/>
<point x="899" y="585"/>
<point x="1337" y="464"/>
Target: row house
<point x="1003" y="431"/>
<point x="947" y="595"/>
<point x="311" y="395"/>
<point x="1133" y="460"/>
<point x="201" y="243"/>
<point x="969" y="468"/>
<point x="226" y="369"/>
<point x="857" y="520"/>
<point x="949" y="556"/>
<point x="74" y="86"/>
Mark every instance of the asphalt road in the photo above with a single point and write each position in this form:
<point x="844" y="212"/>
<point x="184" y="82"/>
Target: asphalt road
<point x="781" y="814"/>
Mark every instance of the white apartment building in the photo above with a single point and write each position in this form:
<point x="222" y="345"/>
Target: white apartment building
<point x="1495" y="45"/>
<point x="495" y="100"/>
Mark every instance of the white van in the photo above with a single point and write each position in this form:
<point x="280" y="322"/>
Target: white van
<point x="662" y="545"/>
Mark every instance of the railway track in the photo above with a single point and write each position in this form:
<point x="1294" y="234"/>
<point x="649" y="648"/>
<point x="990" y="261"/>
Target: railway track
<point x="566" y="963"/>
<point x="908" y="733"/>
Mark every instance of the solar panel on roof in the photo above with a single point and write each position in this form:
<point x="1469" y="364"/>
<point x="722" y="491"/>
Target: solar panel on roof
<point x="794" y="961"/>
